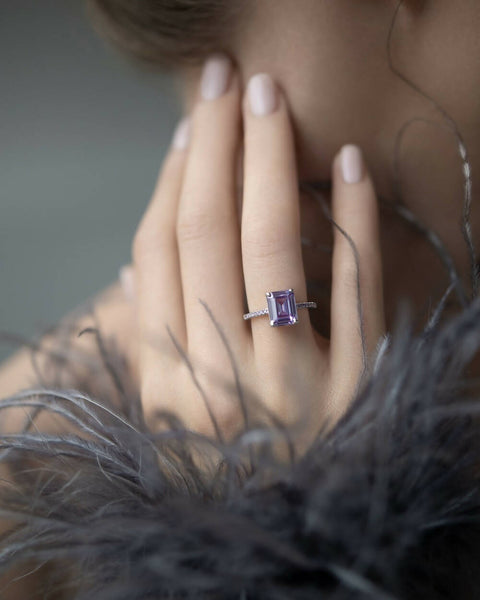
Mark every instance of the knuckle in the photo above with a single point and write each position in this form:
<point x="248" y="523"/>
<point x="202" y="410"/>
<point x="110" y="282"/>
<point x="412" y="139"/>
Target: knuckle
<point x="195" y="225"/>
<point x="229" y="419"/>
<point x="222" y="396"/>
<point x="149" y="393"/>
<point x="264" y="244"/>
<point x="153" y="395"/>
<point x="158" y="391"/>
<point x="147" y="242"/>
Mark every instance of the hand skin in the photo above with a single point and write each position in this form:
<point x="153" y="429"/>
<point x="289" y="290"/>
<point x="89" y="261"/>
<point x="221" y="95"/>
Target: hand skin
<point x="197" y="213"/>
<point x="194" y="208"/>
<point x="190" y="245"/>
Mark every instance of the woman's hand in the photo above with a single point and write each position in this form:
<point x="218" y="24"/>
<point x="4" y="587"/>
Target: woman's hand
<point x="191" y="253"/>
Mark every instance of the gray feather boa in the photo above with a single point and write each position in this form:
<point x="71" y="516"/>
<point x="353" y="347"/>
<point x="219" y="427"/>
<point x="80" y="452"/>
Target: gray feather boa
<point x="386" y="505"/>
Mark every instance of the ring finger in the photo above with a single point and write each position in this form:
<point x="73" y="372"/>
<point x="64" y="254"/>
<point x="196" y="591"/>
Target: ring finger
<point x="271" y="239"/>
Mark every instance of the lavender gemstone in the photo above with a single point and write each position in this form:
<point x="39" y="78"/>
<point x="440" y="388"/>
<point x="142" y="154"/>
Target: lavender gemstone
<point x="282" y="308"/>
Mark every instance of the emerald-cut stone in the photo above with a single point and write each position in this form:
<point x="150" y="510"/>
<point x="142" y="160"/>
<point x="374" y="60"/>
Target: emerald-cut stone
<point x="282" y="308"/>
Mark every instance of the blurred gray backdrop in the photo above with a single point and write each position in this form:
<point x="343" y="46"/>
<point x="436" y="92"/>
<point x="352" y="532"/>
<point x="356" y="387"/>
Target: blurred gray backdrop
<point x="82" y="136"/>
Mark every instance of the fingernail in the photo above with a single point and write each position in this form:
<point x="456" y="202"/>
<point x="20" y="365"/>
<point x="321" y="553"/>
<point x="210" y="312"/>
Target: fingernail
<point x="216" y="76"/>
<point x="262" y="94"/>
<point x="181" y="135"/>
<point x="125" y="275"/>
<point x="352" y="163"/>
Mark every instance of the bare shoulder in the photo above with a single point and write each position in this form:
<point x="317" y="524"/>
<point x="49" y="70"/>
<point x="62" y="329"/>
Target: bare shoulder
<point x="108" y="311"/>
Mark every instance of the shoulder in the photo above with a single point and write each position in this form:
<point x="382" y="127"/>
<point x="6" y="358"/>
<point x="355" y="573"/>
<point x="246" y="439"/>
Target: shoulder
<point x="108" y="313"/>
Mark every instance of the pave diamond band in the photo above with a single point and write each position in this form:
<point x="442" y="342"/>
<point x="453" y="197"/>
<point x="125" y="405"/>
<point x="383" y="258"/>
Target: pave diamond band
<point x="260" y="313"/>
<point x="281" y="308"/>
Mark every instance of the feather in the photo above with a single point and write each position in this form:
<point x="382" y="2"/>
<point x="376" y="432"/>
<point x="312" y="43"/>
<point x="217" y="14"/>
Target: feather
<point x="384" y="505"/>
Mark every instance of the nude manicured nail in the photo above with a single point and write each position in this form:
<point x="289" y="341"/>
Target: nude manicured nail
<point x="125" y="275"/>
<point x="352" y="163"/>
<point x="181" y="135"/>
<point x="262" y="94"/>
<point x="216" y="76"/>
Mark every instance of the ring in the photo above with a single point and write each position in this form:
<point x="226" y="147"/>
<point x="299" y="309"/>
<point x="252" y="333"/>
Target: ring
<point x="282" y="308"/>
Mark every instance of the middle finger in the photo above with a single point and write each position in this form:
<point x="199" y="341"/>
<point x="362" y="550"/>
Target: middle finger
<point x="208" y="228"/>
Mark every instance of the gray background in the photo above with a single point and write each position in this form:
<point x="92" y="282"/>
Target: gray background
<point x="82" y="136"/>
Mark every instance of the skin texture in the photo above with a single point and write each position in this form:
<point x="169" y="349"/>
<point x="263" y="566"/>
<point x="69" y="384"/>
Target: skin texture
<point x="190" y="245"/>
<point x="331" y="60"/>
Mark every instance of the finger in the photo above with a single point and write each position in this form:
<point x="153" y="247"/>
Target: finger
<point x="208" y="226"/>
<point x="159" y="298"/>
<point x="271" y="241"/>
<point x="357" y="309"/>
<point x="126" y="276"/>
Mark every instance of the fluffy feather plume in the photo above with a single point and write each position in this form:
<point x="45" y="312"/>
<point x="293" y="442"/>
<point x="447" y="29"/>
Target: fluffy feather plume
<point x="386" y="505"/>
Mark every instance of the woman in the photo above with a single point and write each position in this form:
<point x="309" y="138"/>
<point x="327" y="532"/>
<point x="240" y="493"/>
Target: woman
<point x="364" y="99"/>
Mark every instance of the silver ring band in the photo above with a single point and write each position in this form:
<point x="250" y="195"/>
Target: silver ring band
<point x="260" y="313"/>
<point x="281" y="308"/>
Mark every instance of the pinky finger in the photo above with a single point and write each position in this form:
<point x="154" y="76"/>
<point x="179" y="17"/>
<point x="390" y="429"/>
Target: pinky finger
<point x="357" y="303"/>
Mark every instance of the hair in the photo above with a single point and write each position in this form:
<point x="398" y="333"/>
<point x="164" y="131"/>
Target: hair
<point x="169" y="33"/>
<point x="385" y="506"/>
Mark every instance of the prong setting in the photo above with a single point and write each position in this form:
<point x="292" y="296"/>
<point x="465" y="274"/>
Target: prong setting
<point x="282" y="308"/>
